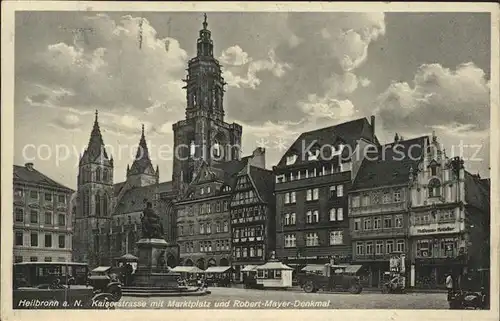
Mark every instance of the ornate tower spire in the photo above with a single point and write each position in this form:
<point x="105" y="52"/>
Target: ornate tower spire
<point x="205" y="44"/>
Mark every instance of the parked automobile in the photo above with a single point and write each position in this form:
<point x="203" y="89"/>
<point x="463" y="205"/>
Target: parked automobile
<point x="330" y="277"/>
<point x="105" y="281"/>
<point x="55" y="285"/>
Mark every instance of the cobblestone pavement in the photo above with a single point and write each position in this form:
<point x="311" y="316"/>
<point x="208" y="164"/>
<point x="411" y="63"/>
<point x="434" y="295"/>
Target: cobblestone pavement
<point x="244" y="298"/>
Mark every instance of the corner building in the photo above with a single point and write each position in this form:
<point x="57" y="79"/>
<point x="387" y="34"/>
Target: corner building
<point x="313" y="180"/>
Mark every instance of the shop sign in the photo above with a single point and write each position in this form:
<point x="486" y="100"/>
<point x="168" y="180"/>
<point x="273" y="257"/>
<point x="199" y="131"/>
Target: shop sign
<point x="435" y="229"/>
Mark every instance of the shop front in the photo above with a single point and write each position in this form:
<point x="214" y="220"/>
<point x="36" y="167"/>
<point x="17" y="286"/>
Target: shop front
<point x="300" y="262"/>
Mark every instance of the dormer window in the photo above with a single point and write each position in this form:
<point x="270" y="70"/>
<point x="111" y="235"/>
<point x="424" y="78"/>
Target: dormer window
<point x="202" y="191"/>
<point x="291" y="159"/>
<point x="208" y="190"/>
<point x="280" y="178"/>
<point x="313" y="155"/>
<point x="434" y="188"/>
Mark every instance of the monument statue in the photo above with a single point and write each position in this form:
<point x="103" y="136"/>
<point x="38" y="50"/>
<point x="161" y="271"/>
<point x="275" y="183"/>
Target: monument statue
<point x="151" y="223"/>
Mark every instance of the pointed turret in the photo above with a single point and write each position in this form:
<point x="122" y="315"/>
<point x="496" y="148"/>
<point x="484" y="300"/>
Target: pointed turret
<point x="96" y="144"/>
<point x="142" y="163"/>
<point x="205" y="44"/>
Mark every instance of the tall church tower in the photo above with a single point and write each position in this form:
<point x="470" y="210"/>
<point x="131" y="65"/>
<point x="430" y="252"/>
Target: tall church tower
<point x="94" y="199"/>
<point x="203" y="135"/>
<point x="142" y="173"/>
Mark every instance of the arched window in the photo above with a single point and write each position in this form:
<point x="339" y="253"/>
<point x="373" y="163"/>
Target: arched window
<point x="86" y="203"/>
<point x="217" y="150"/>
<point x="88" y="176"/>
<point x="105" y="175"/>
<point x="104" y="205"/>
<point x="434" y="188"/>
<point x="226" y="226"/>
<point x="97" y="198"/>
<point x="98" y="174"/>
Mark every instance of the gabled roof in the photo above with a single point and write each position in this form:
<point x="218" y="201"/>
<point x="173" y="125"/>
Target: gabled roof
<point x="32" y="176"/>
<point x="231" y="169"/>
<point x="264" y="183"/>
<point x="346" y="133"/>
<point x="391" y="165"/>
<point x="95" y="146"/>
<point x="477" y="193"/>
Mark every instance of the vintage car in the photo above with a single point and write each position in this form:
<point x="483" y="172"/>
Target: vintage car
<point x="330" y="277"/>
<point x="55" y="285"/>
<point x="104" y="280"/>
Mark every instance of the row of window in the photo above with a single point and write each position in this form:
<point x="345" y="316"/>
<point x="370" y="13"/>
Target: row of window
<point x="245" y="212"/>
<point x="309" y="173"/>
<point x="447" y="247"/>
<point x="49" y="218"/>
<point x="378" y="247"/>
<point x="48" y="197"/>
<point x="314" y="154"/>
<point x="313" y="194"/>
<point x="19" y="259"/>
<point x="248" y="197"/>
<point x="312" y="217"/>
<point x="101" y="204"/>
<point x="207" y="208"/>
<point x="375" y="199"/>
<point x="247" y="232"/>
<point x="441" y="216"/>
<point x="205" y="228"/>
<point x="375" y="223"/>
<point x="99" y="175"/>
<point x="206" y="246"/>
<point x="19" y="240"/>
<point x="251" y="252"/>
<point x="312" y="239"/>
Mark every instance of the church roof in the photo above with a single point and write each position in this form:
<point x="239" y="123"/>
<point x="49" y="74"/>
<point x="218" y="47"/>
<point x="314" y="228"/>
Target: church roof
<point x="346" y="133"/>
<point x="29" y="175"/>
<point x="391" y="165"/>
<point x="133" y="199"/>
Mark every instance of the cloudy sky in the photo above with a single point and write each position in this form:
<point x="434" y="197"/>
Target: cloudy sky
<point x="286" y="73"/>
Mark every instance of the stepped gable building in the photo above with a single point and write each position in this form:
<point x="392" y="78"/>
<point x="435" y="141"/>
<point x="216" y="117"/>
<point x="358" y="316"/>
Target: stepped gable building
<point x="107" y="215"/>
<point x="253" y="220"/>
<point x="449" y="219"/>
<point x="43" y="227"/>
<point x="379" y="206"/>
<point x="312" y="183"/>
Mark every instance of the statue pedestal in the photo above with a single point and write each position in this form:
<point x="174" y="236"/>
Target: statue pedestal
<point x="151" y="271"/>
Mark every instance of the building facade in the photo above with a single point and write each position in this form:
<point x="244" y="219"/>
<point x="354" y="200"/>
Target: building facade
<point x="448" y="218"/>
<point x="379" y="207"/>
<point x="43" y="226"/>
<point x="253" y="221"/>
<point x="312" y="183"/>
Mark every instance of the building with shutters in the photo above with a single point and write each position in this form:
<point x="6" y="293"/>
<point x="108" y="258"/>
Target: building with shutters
<point x="43" y="227"/>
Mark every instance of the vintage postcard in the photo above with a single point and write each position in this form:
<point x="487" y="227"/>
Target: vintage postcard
<point x="249" y="160"/>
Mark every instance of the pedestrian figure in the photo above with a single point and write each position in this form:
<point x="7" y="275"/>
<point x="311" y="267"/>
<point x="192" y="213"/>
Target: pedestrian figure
<point x="449" y="286"/>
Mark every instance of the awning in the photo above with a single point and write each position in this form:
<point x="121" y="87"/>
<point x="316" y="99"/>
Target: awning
<point x="352" y="268"/>
<point x="249" y="268"/>
<point x="128" y="257"/>
<point x="217" y="269"/>
<point x="274" y="265"/>
<point x="313" y="267"/>
<point x="101" y="269"/>
<point x="187" y="269"/>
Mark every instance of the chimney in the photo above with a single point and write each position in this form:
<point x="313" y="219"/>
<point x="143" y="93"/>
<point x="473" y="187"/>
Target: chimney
<point x="258" y="158"/>
<point x="29" y="166"/>
<point x="373" y="126"/>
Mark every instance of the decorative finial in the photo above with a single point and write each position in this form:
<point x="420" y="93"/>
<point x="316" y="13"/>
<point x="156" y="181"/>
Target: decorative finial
<point x="205" y="24"/>
<point x="96" y="115"/>
<point x="142" y="129"/>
